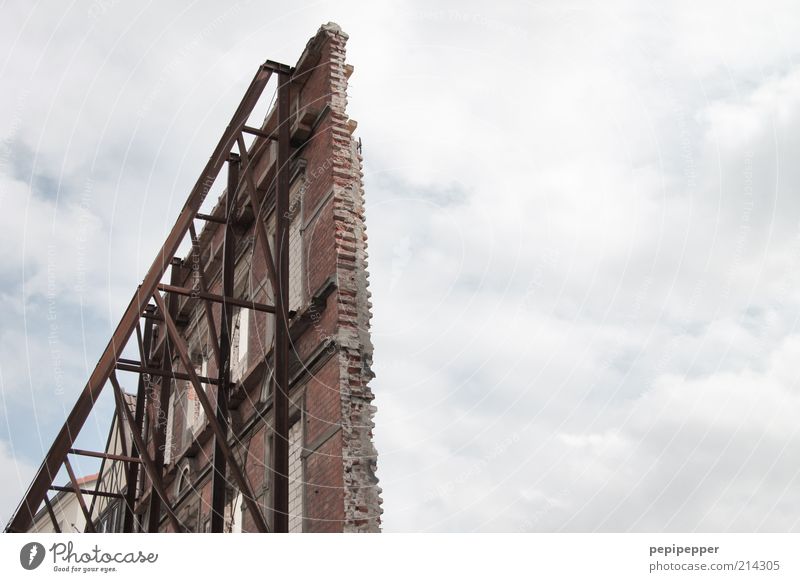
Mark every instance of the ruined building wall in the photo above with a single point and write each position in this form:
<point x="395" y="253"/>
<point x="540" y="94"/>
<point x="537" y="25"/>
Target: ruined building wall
<point x="333" y="486"/>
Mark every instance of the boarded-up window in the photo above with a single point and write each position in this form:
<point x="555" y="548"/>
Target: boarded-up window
<point x="295" y="253"/>
<point x="237" y="513"/>
<point x="169" y="443"/>
<point x="296" y="478"/>
<point x="181" y="420"/>
<point x="295" y="262"/>
<point x="198" y="415"/>
<point x="241" y="336"/>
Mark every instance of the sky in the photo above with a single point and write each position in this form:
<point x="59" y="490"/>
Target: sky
<point x="584" y="239"/>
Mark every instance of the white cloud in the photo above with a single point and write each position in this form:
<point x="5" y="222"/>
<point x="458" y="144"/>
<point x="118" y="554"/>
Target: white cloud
<point x="583" y="235"/>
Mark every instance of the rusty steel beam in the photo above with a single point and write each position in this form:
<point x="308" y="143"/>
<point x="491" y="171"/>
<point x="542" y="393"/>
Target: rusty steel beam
<point x="130" y="362"/>
<point x="108" y="456"/>
<point x="162" y="418"/>
<point x="143" y="355"/>
<point x="210" y="218"/>
<point x="280" y="398"/>
<point x="87" y="492"/>
<point x="160" y="437"/>
<point x="221" y="437"/>
<point x="162" y="372"/>
<point x="132" y="478"/>
<point x="219" y="481"/>
<point x="186" y="292"/>
<point x="52" y="514"/>
<point x="259" y="133"/>
<point x="149" y="464"/>
<point x="79" y="494"/>
<point x="57" y="454"/>
<point x="121" y="432"/>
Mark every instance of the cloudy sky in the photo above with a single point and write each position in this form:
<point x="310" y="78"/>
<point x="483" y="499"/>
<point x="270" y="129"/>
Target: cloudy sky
<point x="584" y="235"/>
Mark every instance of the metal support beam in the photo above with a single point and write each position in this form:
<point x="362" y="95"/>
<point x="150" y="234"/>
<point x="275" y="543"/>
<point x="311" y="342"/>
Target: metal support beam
<point x="226" y="334"/>
<point x="210" y="218"/>
<point x="217" y="298"/>
<point x="258" y="132"/>
<point x="132" y="478"/>
<point x="280" y="442"/>
<point x="92" y="492"/>
<point x="52" y="514"/>
<point x="276" y="67"/>
<point x="107" y="456"/>
<point x="162" y="417"/>
<point x="121" y="432"/>
<point x="79" y="494"/>
<point x="161" y="372"/>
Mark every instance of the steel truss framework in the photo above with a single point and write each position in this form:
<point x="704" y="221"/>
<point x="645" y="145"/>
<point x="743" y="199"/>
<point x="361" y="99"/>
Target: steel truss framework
<point x="138" y="462"/>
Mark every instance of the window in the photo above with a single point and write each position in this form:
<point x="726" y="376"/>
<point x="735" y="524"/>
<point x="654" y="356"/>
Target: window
<point x="296" y="478"/>
<point x="237" y="513"/>
<point x="109" y="521"/>
<point x="295" y="251"/>
<point x="181" y="421"/>
<point x="183" y="405"/>
<point x="198" y="414"/>
<point x="267" y="461"/>
<point x="168" y="443"/>
<point x="266" y="386"/>
<point x="241" y="337"/>
<point x="244" y="334"/>
<point x="183" y="480"/>
<point x="295" y="259"/>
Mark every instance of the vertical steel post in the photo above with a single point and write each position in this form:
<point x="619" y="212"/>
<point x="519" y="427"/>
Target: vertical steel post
<point x="101" y="472"/>
<point x="52" y="514"/>
<point x="162" y="418"/>
<point x="280" y="401"/>
<point x="225" y="336"/>
<point x="134" y="468"/>
<point x="81" y="501"/>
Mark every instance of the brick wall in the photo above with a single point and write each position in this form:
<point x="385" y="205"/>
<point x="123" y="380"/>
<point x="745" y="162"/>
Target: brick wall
<point x="333" y="486"/>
